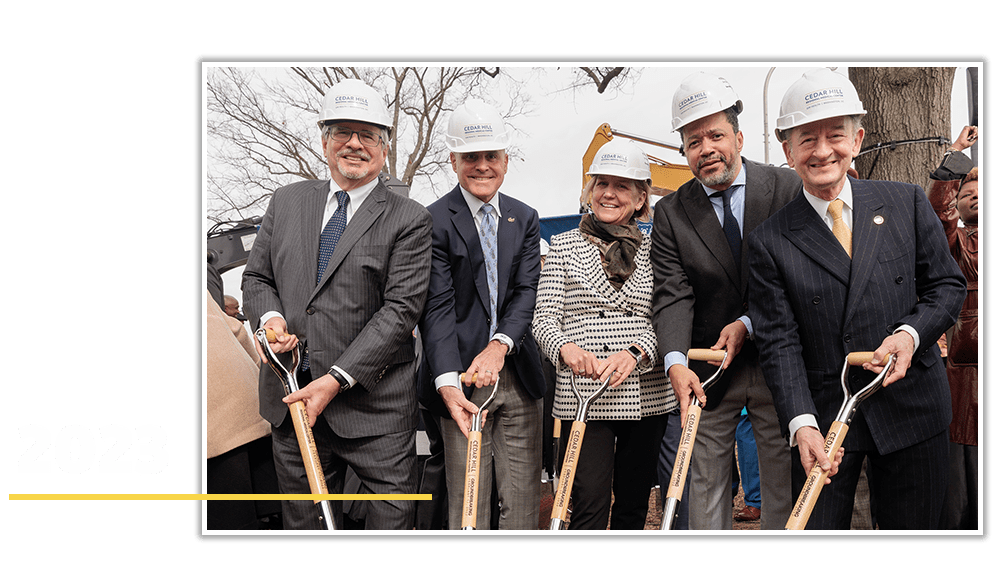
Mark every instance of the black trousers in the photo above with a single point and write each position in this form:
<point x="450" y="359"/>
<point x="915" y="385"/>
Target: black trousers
<point x="616" y="457"/>
<point x="907" y="487"/>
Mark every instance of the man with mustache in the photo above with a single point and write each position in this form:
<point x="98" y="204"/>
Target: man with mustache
<point x="342" y="265"/>
<point x="700" y="299"/>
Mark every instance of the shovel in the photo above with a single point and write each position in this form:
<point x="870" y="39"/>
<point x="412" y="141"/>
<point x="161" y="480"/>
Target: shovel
<point x="676" y="488"/>
<point x="560" y="502"/>
<point x="835" y="437"/>
<point x="300" y="420"/>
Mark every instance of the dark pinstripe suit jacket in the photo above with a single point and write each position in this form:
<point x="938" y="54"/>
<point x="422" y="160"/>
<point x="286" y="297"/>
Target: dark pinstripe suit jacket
<point x="362" y="313"/>
<point x="811" y="305"/>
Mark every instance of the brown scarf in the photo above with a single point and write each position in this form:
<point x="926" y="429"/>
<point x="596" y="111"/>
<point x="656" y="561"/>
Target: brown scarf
<point x="617" y="244"/>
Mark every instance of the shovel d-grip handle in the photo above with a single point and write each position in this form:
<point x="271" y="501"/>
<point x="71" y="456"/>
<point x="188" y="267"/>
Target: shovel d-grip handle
<point x="809" y="495"/>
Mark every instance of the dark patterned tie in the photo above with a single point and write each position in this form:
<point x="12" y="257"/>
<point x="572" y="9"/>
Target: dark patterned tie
<point x="729" y="226"/>
<point x="331" y="233"/>
<point x="488" y="240"/>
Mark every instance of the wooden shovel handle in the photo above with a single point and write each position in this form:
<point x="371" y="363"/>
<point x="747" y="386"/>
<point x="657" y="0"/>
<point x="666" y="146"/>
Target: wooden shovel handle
<point x="307" y="446"/>
<point x="684" y="450"/>
<point x="560" y="503"/>
<point x="860" y="357"/>
<point x="470" y="495"/>
<point x="706" y="354"/>
<point x="817" y="477"/>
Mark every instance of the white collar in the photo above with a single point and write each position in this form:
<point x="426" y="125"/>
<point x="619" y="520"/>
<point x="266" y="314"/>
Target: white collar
<point x="846" y="195"/>
<point x="475" y="203"/>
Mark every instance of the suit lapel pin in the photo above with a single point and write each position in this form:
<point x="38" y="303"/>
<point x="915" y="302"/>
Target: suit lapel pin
<point x="879" y="220"/>
<point x="510" y="219"/>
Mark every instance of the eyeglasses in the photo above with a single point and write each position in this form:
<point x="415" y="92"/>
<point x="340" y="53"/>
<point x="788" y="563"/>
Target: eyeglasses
<point x="369" y="139"/>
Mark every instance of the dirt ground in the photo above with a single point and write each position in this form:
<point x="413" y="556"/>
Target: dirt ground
<point x="654" y="516"/>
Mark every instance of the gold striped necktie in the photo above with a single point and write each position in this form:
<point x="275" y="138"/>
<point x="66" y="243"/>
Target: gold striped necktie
<point x="840" y="229"/>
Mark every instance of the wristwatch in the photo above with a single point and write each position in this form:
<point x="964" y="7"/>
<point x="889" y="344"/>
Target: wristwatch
<point x="636" y="353"/>
<point x="344" y="384"/>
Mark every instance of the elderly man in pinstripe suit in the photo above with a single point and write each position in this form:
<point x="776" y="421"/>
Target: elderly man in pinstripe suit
<point x="353" y="292"/>
<point x="854" y="265"/>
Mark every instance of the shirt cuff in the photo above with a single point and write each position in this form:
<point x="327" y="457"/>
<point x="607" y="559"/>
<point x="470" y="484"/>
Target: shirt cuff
<point x="804" y="420"/>
<point x="913" y="333"/>
<point x="502" y="338"/>
<point x="447" y="379"/>
<point x="269" y="315"/>
<point x="749" y="325"/>
<point x="672" y="359"/>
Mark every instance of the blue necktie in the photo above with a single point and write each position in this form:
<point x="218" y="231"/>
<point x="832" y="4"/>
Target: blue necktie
<point x="331" y="233"/>
<point x="729" y="225"/>
<point x="488" y="240"/>
<point x="327" y="243"/>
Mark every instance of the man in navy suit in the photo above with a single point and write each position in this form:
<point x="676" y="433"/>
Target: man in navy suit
<point x="854" y="265"/>
<point x="481" y="299"/>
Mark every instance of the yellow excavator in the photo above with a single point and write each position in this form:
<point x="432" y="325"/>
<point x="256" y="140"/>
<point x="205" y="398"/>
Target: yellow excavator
<point x="667" y="177"/>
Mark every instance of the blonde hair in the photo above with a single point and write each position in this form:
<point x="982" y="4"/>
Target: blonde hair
<point x="644" y="213"/>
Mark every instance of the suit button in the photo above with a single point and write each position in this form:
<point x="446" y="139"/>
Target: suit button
<point x="600" y="315"/>
<point x="606" y="348"/>
<point x="899" y="279"/>
<point x="746" y="306"/>
<point x="629" y="313"/>
<point x="816" y="300"/>
<point x="847" y="338"/>
<point x="310" y="310"/>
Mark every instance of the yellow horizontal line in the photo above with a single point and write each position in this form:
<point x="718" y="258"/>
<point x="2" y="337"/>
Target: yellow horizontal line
<point x="210" y="497"/>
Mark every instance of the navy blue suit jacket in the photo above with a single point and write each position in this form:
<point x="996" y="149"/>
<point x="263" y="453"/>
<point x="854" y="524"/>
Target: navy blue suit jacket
<point x="455" y="326"/>
<point x="811" y="305"/>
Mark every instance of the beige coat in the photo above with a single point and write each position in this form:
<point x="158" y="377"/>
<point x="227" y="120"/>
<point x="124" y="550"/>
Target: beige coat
<point x="232" y="372"/>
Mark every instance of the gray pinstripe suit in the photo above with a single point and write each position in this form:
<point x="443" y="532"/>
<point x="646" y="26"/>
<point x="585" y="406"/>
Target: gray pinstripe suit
<point x="360" y="317"/>
<point x="811" y="305"/>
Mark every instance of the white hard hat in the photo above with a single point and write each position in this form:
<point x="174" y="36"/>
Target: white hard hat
<point x="621" y="158"/>
<point x="700" y="95"/>
<point x="819" y="94"/>
<point x="353" y="100"/>
<point x="475" y="126"/>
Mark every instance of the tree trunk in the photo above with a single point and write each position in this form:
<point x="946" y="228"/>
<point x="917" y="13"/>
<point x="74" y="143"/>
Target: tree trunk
<point x="903" y="104"/>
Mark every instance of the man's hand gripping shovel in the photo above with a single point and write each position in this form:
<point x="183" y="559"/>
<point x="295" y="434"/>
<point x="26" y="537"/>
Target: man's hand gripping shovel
<point x="300" y="420"/>
<point x="560" y="502"/>
<point x="835" y="438"/>
<point x="677" y="479"/>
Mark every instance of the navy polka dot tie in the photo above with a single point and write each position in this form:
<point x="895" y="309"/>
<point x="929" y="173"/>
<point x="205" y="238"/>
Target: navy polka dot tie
<point x="331" y="234"/>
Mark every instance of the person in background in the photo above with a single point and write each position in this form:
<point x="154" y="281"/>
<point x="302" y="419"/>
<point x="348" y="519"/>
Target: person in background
<point x="593" y="320"/>
<point x="955" y="196"/>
